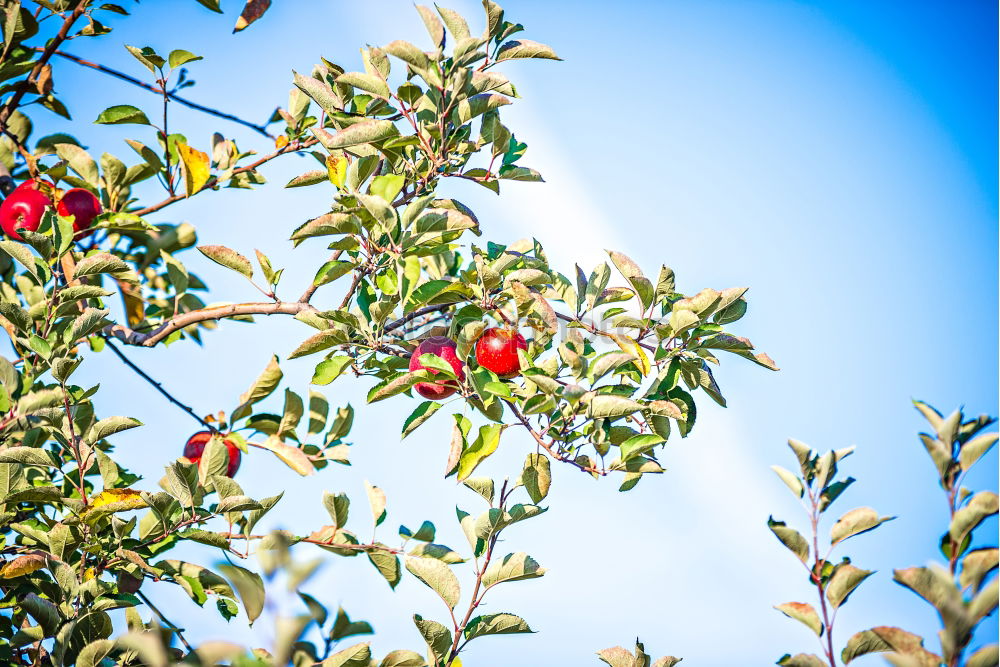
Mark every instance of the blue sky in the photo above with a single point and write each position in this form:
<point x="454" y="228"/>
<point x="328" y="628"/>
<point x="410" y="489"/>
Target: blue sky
<point x="837" y="157"/>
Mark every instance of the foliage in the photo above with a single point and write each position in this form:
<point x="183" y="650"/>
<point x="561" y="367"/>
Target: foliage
<point x="963" y="593"/>
<point x="613" y="365"/>
<point x="610" y="372"/>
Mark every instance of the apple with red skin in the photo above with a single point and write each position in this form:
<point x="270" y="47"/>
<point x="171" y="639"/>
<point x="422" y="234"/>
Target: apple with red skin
<point x="443" y="347"/>
<point x="83" y="206"/>
<point x="24" y="208"/>
<point x="196" y="445"/>
<point x="496" y="350"/>
<point x="36" y="184"/>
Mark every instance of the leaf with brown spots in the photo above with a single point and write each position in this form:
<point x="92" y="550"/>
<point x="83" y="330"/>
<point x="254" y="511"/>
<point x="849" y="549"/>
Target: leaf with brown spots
<point x="252" y="11"/>
<point x="22" y="565"/>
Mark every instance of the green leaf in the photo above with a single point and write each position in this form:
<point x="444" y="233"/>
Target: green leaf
<point x="845" y="579"/>
<point x="367" y="131"/>
<point x="369" y="83"/>
<point x="610" y="405"/>
<point x="982" y="505"/>
<point x="790" y="537"/>
<point x="338" y="506"/>
<point x="408" y="53"/>
<point x="388" y="566"/>
<point x="227" y="258"/>
<point x="484" y="445"/>
<point x="318" y="342"/>
<point x="855" y="522"/>
<point x="974" y="449"/>
<point x="179" y="57"/>
<point x="376" y="499"/>
<point x="976" y="565"/>
<point x="359" y="655"/>
<point x="437" y="576"/>
<point x="344" y="627"/>
<point x="420" y="414"/>
<point x="437" y="636"/>
<point x="886" y="638"/>
<point x="525" y="48"/>
<point x="330" y="369"/>
<point x="513" y="567"/>
<point x="403" y="658"/>
<point x="987" y="656"/>
<point x="790" y="480"/>
<point x="536" y="477"/>
<point x="496" y="624"/>
<point x="438" y="551"/>
<point x="803" y="613"/>
<point x="801" y="660"/>
<point x="250" y="587"/>
<point x="122" y="114"/>
<point x="387" y="186"/>
<point x="634" y="275"/>
<point x="331" y="271"/>
<point x="398" y="385"/>
<point x="483" y="486"/>
<point x="147" y="57"/>
<point x="262" y="387"/>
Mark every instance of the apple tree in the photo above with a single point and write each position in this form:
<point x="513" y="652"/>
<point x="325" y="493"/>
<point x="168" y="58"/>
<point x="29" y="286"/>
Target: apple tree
<point x="586" y="372"/>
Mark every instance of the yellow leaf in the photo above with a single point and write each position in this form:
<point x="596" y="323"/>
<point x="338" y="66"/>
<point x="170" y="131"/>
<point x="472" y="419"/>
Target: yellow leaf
<point x="196" y="167"/>
<point x="336" y="169"/>
<point x="630" y="346"/>
<point x="22" y="565"/>
<point x="123" y="496"/>
<point x="113" y="500"/>
<point x="135" y="306"/>
<point x="293" y="457"/>
<point x="281" y="142"/>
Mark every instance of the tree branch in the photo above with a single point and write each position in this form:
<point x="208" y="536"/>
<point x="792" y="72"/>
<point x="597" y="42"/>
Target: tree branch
<point x="261" y="129"/>
<point x="132" y="337"/>
<point x="60" y="37"/>
<point x="593" y="469"/>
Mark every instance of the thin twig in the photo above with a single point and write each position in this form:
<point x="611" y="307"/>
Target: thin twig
<point x="159" y="387"/>
<point x="593" y="469"/>
<point x="261" y="129"/>
<point x="178" y="631"/>
<point x="291" y="147"/>
<point x="415" y="314"/>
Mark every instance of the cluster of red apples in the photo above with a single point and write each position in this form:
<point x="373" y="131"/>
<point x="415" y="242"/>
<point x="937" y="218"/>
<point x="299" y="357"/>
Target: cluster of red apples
<point x="24" y="207"/>
<point x="496" y="350"/>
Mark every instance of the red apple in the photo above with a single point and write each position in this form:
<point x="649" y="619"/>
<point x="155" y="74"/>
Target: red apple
<point x="83" y="206"/>
<point x="37" y="184"/>
<point x="497" y="349"/>
<point x="443" y="347"/>
<point x="23" y="209"/>
<point x="196" y="445"/>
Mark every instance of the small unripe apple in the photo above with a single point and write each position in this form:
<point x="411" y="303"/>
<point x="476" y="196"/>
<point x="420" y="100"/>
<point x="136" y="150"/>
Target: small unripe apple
<point x="83" y="206"/>
<point x="443" y="347"/>
<point x="23" y="209"/>
<point x="196" y="446"/>
<point x="497" y="349"/>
